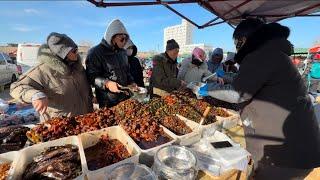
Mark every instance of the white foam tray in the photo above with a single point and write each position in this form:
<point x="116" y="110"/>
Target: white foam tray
<point x="10" y="157"/>
<point x="115" y="132"/>
<point x="27" y="155"/>
<point x="224" y="122"/>
<point x="231" y="121"/>
<point x="146" y="156"/>
<point x="192" y="137"/>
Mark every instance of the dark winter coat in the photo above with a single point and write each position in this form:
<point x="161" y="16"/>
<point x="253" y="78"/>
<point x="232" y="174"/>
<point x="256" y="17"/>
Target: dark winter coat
<point x="135" y="68"/>
<point x="103" y="63"/>
<point x="285" y="131"/>
<point x="164" y="73"/>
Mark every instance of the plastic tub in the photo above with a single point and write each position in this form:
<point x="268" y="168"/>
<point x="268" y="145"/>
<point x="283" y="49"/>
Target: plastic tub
<point x="29" y="153"/>
<point x="175" y="162"/>
<point x="115" y="132"/>
<point x="132" y="171"/>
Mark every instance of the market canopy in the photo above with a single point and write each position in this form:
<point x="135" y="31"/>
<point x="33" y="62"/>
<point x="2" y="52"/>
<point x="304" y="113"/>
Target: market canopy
<point x="232" y="11"/>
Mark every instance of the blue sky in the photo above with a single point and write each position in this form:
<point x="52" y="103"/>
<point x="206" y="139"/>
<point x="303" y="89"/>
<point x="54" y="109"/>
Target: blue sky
<point x="32" y="21"/>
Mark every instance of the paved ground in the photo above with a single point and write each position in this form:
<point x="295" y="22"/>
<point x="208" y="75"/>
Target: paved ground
<point x="5" y="94"/>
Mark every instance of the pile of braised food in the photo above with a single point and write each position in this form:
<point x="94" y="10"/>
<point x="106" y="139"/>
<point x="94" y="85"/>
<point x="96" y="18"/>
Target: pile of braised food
<point x="58" y="162"/>
<point x="140" y="120"/>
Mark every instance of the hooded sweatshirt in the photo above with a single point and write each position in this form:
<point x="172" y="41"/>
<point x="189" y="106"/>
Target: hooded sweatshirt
<point x="108" y="63"/>
<point x="194" y="72"/>
<point x="135" y="67"/>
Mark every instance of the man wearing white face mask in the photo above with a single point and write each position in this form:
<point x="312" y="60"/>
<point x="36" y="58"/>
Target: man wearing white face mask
<point x="134" y="63"/>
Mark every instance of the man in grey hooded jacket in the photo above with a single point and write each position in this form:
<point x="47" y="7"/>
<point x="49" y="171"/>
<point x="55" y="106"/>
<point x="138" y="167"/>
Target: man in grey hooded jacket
<point x="107" y="66"/>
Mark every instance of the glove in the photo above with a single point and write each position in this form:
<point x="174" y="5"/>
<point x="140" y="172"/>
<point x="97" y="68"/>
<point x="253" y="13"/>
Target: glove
<point x="203" y="91"/>
<point x="220" y="73"/>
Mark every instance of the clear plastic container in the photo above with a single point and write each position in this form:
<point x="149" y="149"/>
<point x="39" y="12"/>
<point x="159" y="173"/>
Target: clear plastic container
<point x="131" y="171"/>
<point x="175" y="162"/>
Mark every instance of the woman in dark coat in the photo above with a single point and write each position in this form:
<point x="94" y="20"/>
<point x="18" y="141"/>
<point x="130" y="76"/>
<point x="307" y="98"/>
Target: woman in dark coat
<point x="135" y="66"/>
<point x="281" y="129"/>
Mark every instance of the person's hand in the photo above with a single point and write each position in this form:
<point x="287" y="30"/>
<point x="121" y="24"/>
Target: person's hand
<point x="183" y="83"/>
<point x="134" y="87"/>
<point x="203" y="91"/>
<point x="40" y="105"/>
<point x="220" y="80"/>
<point x="112" y="86"/>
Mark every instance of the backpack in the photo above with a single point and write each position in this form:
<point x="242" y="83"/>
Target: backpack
<point x="315" y="70"/>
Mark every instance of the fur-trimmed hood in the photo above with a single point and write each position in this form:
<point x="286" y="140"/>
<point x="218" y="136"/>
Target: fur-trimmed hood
<point x="45" y="56"/>
<point x="268" y="34"/>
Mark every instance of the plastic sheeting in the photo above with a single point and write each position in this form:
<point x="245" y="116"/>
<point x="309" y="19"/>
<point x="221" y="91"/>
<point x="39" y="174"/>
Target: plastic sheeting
<point x="271" y="10"/>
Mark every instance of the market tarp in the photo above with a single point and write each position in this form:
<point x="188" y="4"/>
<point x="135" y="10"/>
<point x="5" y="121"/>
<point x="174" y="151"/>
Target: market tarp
<point x="272" y="10"/>
<point x="231" y="11"/>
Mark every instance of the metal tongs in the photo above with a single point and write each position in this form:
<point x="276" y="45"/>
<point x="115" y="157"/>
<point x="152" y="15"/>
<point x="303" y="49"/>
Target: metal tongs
<point x="208" y="77"/>
<point x="133" y="91"/>
<point x="126" y="90"/>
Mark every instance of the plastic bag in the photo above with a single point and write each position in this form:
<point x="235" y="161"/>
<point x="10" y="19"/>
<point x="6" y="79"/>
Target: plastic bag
<point x="4" y="106"/>
<point x="217" y="161"/>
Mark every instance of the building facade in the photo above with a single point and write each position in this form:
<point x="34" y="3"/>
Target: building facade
<point x="183" y="34"/>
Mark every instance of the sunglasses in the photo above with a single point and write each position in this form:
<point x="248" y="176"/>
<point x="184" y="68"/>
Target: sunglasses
<point x="122" y="37"/>
<point x="75" y="50"/>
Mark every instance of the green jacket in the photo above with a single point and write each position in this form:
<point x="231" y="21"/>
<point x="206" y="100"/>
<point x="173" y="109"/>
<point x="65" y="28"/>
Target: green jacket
<point x="164" y="73"/>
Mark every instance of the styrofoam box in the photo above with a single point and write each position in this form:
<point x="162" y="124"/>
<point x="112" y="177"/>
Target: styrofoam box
<point x="10" y="157"/>
<point x="224" y="122"/>
<point x="146" y="156"/>
<point x="115" y="132"/>
<point x="231" y="121"/>
<point x="192" y="137"/>
<point x="27" y="155"/>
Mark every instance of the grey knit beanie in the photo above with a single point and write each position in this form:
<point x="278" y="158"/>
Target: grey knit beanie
<point x="60" y="44"/>
<point x="172" y="44"/>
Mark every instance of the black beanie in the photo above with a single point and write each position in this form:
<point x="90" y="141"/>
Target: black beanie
<point x="171" y="44"/>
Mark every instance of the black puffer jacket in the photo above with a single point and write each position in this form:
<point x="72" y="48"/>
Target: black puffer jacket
<point x="135" y="68"/>
<point x="106" y="63"/>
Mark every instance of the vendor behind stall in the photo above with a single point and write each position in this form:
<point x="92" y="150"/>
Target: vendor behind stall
<point x="58" y="85"/>
<point x="281" y="129"/>
<point x="164" y="74"/>
<point x="194" y="68"/>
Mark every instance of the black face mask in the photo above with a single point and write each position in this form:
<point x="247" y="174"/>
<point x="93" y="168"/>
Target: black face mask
<point x="196" y="62"/>
<point x="239" y="44"/>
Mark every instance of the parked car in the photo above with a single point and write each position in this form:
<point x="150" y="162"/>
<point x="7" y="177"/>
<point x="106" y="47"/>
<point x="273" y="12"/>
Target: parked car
<point x="9" y="71"/>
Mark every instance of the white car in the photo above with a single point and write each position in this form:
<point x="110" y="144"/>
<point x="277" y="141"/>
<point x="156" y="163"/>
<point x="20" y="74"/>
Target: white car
<point x="9" y="71"/>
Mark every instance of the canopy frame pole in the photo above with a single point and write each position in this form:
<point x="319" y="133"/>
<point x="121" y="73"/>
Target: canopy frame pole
<point x="181" y="15"/>
<point x="229" y="11"/>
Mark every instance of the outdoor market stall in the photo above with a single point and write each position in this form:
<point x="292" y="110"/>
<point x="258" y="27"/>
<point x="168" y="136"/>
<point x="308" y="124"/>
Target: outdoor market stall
<point x="160" y="133"/>
<point x="129" y="132"/>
